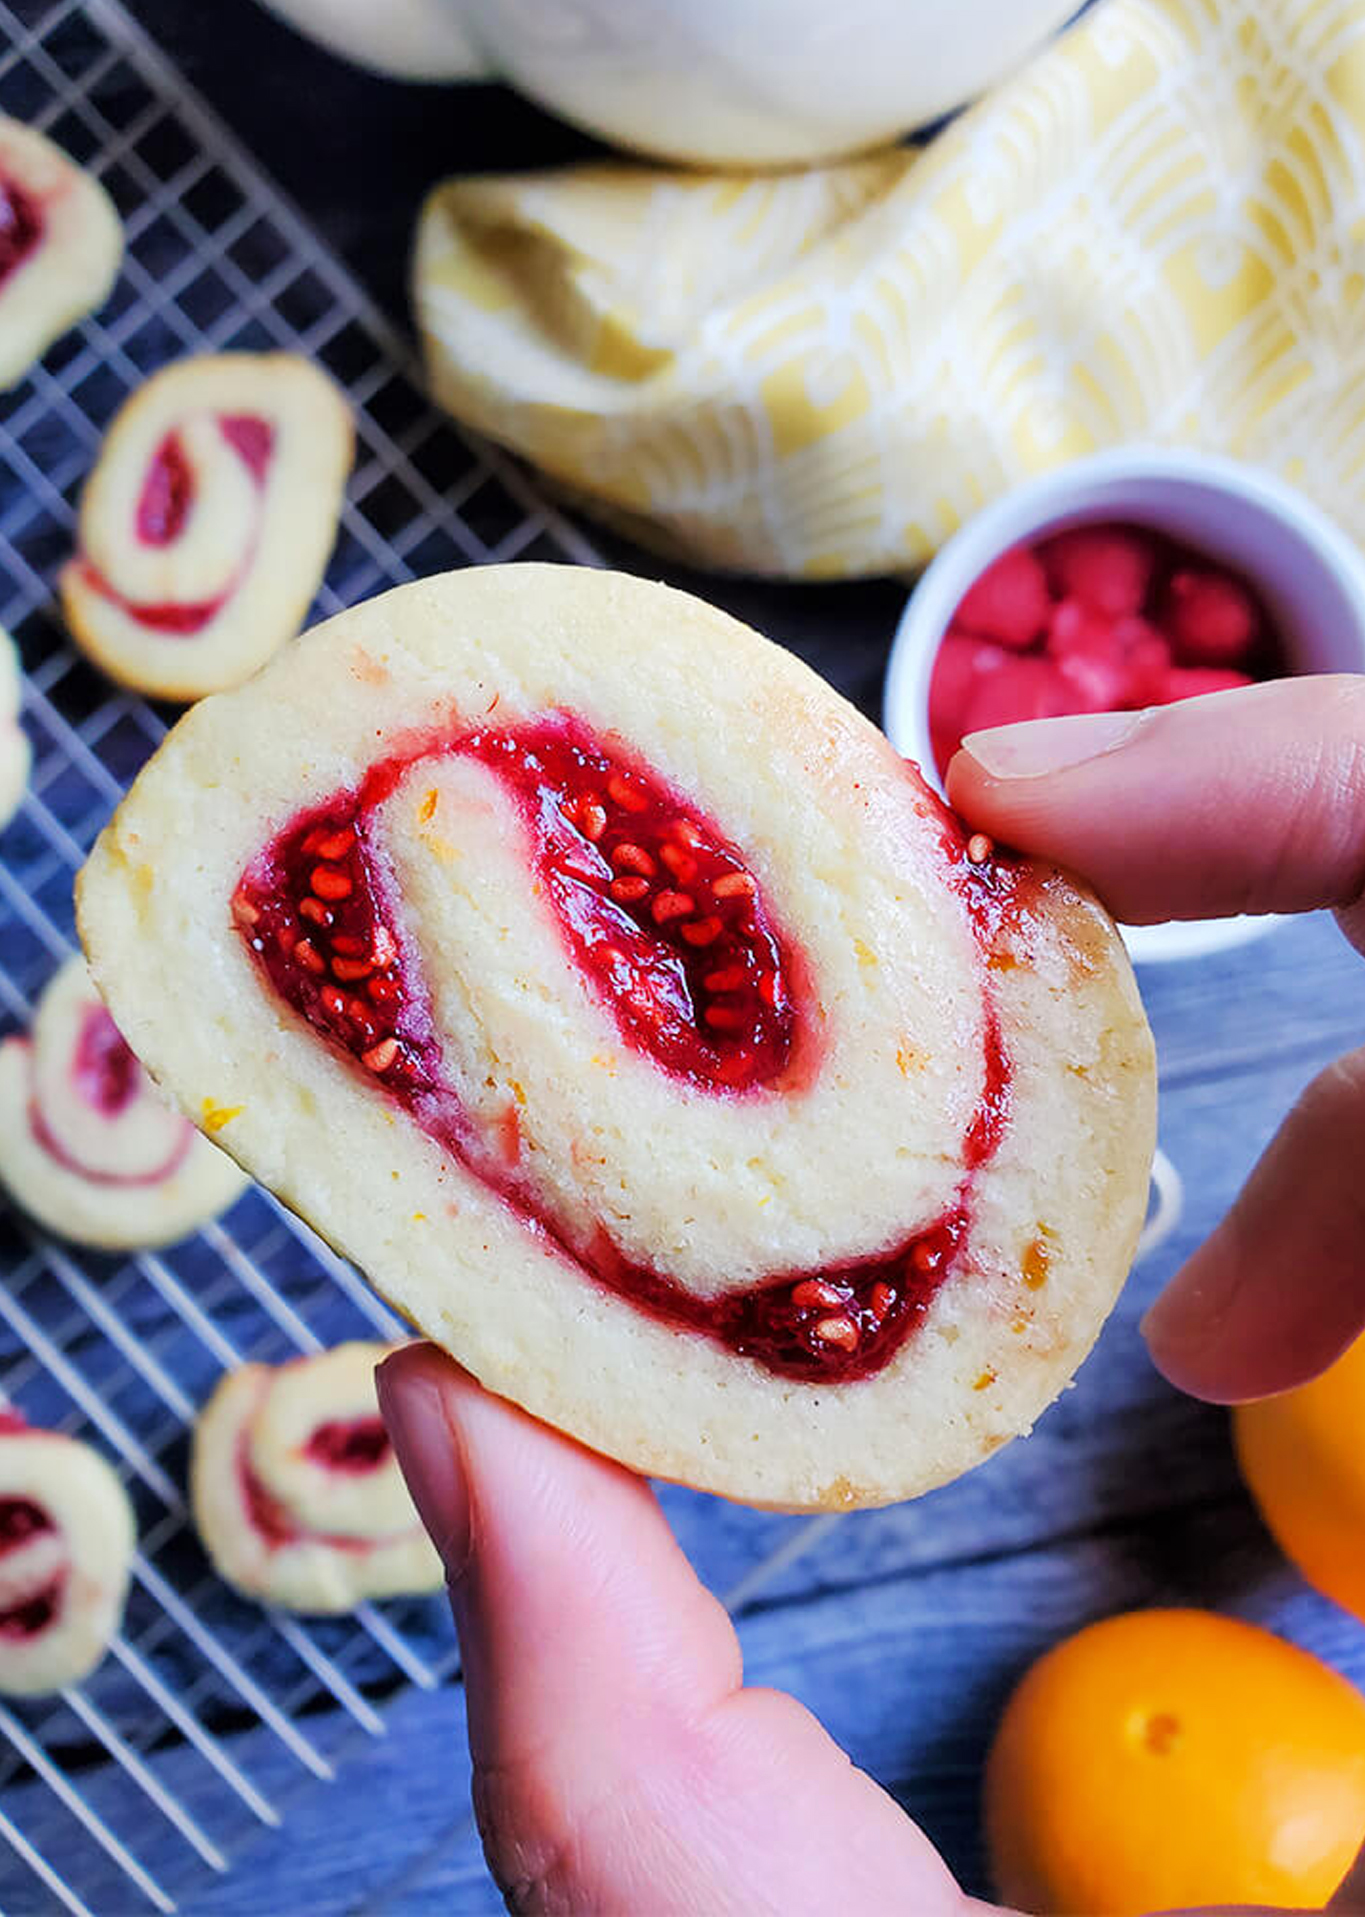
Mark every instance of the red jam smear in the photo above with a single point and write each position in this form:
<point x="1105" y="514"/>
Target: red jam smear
<point x="1098" y="617"/>
<point x="167" y="494"/>
<point x="105" y="1072"/>
<point x="351" y="1445"/>
<point x="658" y="910"/>
<point x="265" y="1513"/>
<point x="655" y="906"/>
<point x="833" y="1326"/>
<point x="275" y="1523"/>
<point x="20" y="1520"/>
<point x="34" y="1614"/>
<point x="44" y="1136"/>
<point x="251" y="438"/>
<point x="47" y="1140"/>
<point x="317" y="910"/>
<point x="177" y="619"/>
<point x="164" y="505"/>
<point x="21" y="227"/>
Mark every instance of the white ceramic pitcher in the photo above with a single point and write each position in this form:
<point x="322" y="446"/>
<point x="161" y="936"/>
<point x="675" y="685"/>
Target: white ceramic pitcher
<point x="745" y="82"/>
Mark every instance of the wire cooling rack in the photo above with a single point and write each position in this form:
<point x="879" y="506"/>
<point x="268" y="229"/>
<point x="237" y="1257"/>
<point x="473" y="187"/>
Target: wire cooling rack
<point x="122" y="1349"/>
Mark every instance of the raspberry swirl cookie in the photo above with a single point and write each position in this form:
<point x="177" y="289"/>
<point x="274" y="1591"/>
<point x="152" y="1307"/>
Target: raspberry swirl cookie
<point x="60" y="246"/>
<point x="66" y="1545"/>
<point x="297" y="1494"/>
<point x="606" y="987"/>
<point x="206" y="525"/>
<point x="15" y="753"/>
<point x="86" y="1144"/>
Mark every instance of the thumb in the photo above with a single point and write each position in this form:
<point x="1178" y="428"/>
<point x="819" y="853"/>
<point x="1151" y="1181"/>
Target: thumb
<point x="618" y="1765"/>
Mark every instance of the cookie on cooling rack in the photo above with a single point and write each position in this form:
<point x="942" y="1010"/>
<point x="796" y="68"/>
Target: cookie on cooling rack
<point x="604" y="985"/>
<point x="16" y="755"/>
<point x="60" y="246"/>
<point x="296" y="1491"/>
<point x="87" y="1146"/>
<point x="206" y="526"/>
<point x="67" y="1537"/>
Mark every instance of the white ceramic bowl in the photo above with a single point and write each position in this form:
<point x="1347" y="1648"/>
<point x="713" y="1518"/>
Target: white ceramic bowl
<point x="1311" y="576"/>
<point x="711" y="82"/>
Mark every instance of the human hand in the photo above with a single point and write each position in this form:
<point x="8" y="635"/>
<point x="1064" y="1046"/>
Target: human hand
<point x="620" y="1766"/>
<point x="1251" y="801"/>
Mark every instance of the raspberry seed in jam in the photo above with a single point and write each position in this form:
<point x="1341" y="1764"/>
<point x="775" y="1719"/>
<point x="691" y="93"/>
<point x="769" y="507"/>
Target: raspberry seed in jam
<point x="661" y="915"/>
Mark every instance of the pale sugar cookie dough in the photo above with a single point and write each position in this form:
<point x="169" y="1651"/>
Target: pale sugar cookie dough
<point x="206" y="526"/>
<point x="606" y="987"/>
<point x="297" y="1493"/>
<point x="60" y="246"/>
<point x="16" y="755"/>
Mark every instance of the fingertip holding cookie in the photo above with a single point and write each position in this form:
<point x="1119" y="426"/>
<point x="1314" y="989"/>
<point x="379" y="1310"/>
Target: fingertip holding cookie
<point x="60" y="246"/>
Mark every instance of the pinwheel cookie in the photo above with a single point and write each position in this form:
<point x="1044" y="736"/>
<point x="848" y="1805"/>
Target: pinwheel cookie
<point x="297" y="1494"/>
<point x="66" y="1544"/>
<point x="606" y="987"/>
<point x="15" y="752"/>
<point x="86" y="1144"/>
<point x="60" y="246"/>
<point x="206" y="525"/>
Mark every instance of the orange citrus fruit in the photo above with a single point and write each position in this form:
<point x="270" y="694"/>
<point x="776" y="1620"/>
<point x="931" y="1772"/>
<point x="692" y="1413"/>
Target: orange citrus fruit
<point x="1303" y="1457"/>
<point x="1166" y="1759"/>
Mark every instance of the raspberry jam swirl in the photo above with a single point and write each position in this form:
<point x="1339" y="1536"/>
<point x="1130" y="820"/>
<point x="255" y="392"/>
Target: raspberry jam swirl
<point x="165" y="505"/>
<point x="21" y="227"/>
<point x="352" y="1446"/>
<point x="659" y="912"/>
<point x="22" y="1522"/>
<point x="104" y="1071"/>
<point x="33" y="1615"/>
<point x="104" y="1076"/>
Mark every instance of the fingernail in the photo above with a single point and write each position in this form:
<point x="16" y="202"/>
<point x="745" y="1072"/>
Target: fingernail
<point x="427" y="1446"/>
<point x="1050" y="745"/>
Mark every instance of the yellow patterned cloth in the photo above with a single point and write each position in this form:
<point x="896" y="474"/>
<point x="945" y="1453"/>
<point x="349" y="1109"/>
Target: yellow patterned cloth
<point x="1155" y="232"/>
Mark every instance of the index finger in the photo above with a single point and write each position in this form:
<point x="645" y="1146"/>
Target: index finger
<point x="1247" y="801"/>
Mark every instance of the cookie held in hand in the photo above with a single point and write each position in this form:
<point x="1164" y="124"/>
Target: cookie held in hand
<point x="206" y="526"/>
<point x="602" y="983"/>
<point x="67" y="1537"/>
<point x="297" y="1494"/>
<point x="60" y="246"/>
<point x="87" y="1146"/>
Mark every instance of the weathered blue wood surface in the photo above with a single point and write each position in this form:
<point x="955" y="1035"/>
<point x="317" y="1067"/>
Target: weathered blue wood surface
<point x="904" y="1629"/>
